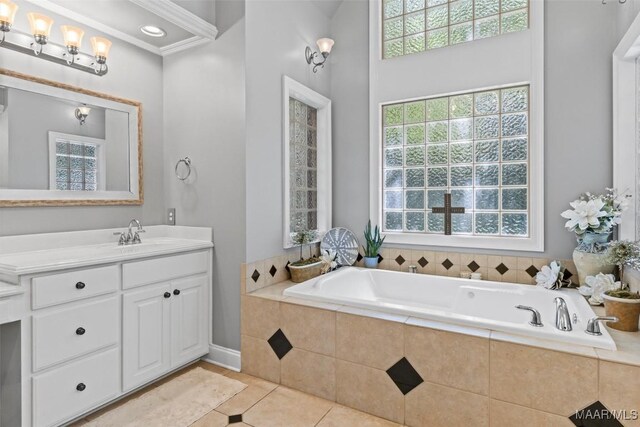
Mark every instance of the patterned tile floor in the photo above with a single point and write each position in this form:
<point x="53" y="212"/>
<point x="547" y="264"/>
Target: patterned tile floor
<point x="264" y="404"/>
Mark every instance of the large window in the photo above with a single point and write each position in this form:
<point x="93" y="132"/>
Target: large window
<point x="473" y="145"/>
<point x="76" y="163"/>
<point x="411" y="26"/>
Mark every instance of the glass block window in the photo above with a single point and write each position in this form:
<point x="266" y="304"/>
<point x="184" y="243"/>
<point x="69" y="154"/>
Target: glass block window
<point x="76" y="166"/>
<point x="473" y="145"/>
<point x="303" y="158"/>
<point x="411" y="26"/>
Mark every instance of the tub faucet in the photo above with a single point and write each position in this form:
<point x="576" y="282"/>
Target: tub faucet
<point x="563" y="320"/>
<point x="536" y="319"/>
<point x="593" y="325"/>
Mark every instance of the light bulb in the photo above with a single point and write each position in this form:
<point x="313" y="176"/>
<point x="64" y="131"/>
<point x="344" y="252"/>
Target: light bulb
<point x="40" y="25"/>
<point x="72" y="36"/>
<point x="101" y="47"/>
<point x="7" y="12"/>
<point x="325" y="45"/>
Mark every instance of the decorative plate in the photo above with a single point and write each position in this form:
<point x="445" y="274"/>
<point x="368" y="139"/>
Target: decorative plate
<point x="343" y="242"/>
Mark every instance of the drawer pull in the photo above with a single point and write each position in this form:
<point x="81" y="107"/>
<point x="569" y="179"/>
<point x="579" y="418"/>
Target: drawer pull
<point x="176" y="291"/>
<point x="81" y="387"/>
<point x="80" y="331"/>
<point x="167" y="295"/>
<point x="80" y="285"/>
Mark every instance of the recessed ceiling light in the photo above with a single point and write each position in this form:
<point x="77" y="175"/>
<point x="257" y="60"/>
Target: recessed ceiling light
<point x="153" y="31"/>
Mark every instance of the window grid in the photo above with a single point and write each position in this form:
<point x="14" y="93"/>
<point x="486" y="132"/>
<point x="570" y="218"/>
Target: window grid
<point x="412" y="26"/>
<point x="303" y="138"/>
<point x="76" y="166"/>
<point x="475" y="145"/>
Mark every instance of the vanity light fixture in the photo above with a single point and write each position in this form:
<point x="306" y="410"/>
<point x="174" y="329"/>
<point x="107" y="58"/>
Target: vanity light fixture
<point x="82" y="113"/>
<point x="324" y="46"/>
<point x="153" y="31"/>
<point x="7" y="16"/>
<point x="72" y="40"/>
<point x="41" y="29"/>
<point x="34" y="44"/>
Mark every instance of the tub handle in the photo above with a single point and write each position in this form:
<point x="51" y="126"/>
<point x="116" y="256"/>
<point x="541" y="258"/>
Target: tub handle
<point x="593" y="325"/>
<point x="536" y="319"/>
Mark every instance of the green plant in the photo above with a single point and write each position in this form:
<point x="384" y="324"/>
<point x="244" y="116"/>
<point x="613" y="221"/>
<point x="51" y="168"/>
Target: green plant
<point x="304" y="237"/>
<point x="374" y="240"/>
<point x="622" y="293"/>
<point x="621" y="253"/>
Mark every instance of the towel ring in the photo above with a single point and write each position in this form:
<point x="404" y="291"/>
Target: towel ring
<point x="187" y="163"/>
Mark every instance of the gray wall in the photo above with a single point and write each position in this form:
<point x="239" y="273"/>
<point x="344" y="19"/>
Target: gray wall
<point x="277" y="33"/>
<point x="204" y="119"/>
<point x="133" y="74"/>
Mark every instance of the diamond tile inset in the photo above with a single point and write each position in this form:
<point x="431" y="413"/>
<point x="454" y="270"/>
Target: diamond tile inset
<point x="567" y="275"/>
<point x="595" y="415"/>
<point x="255" y="276"/>
<point x="273" y="270"/>
<point x="423" y="262"/>
<point x="404" y="376"/>
<point x="359" y="257"/>
<point x="502" y="268"/>
<point x="400" y="260"/>
<point x="280" y="344"/>
<point x="380" y="258"/>
<point x="233" y="419"/>
<point x="532" y="271"/>
<point x="473" y="266"/>
<point x="447" y="263"/>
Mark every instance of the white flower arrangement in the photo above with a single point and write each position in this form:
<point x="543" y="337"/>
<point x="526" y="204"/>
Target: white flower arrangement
<point x="597" y="285"/>
<point x="552" y="276"/>
<point x="596" y="213"/>
<point x="329" y="261"/>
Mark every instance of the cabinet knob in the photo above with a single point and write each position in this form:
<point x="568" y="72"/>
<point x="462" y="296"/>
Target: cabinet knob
<point x="176" y="291"/>
<point x="167" y="295"/>
<point x="80" y="285"/>
<point x="81" y="387"/>
<point x="80" y="331"/>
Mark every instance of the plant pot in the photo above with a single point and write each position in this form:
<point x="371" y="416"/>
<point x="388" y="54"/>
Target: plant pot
<point x="300" y="273"/>
<point x="371" y="262"/>
<point x="590" y="264"/>
<point x="626" y="310"/>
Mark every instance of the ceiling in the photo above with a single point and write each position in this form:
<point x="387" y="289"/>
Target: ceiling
<point x="122" y="19"/>
<point x="327" y="7"/>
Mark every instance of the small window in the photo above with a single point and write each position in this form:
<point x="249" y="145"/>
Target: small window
<point x="412" y="26"/>
<point x="75" y="163"/>
<point x="473" y="145"/>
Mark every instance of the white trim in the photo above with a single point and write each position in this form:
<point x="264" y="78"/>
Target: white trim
<point x="625" y="116"/>
<point x="183" y="45"/>
<point x="223" y="356"/>
<point x="535" y="79"/>
<point x="170" y="11"/>
<point x="101" y="161"/>
<point x="294" y="89"/>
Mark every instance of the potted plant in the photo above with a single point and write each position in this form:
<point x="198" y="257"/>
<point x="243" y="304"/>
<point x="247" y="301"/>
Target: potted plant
<point x="592" y="220"/>
<point x="621" y="302"/>
<point x="308" y="268"/>
<point x="374" y="241"/>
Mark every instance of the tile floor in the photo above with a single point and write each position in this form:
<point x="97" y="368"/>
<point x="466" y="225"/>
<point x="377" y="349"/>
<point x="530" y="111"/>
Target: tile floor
<point x="264" y="404"/>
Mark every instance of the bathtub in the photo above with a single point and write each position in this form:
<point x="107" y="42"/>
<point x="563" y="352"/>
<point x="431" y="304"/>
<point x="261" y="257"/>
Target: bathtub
<point x="473" y="303"/>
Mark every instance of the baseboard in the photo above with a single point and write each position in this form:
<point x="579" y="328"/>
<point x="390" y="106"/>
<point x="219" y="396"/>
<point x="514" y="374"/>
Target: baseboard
<point x="222" y="356"/>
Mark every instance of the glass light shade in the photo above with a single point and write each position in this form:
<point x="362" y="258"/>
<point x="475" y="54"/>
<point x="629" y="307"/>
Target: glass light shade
<point x="7" y="11"/>
<point x="100" y="46"/>
<point x="325" y="45"/>
<point x="40" y="24"/>
<point x="72" y="35"/>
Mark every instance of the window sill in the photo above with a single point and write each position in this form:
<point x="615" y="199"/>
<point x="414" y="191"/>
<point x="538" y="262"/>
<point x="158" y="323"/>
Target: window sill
<point x="471" y="242"/>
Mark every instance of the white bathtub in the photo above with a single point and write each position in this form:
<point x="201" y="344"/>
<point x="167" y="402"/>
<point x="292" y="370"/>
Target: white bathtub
<point x="475" y="303"/>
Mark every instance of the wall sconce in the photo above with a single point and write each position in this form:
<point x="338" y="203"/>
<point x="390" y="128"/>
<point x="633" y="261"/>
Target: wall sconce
<point x="324" y="45"/>
<point x="34" y="44"/>
<point x="7" y="16"/>
<point x="82" y="113"/>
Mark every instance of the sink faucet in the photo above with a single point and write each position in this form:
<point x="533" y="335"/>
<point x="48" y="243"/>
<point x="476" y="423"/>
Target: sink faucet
<point x="131" y="237"/>
<point x="563" y="320"/>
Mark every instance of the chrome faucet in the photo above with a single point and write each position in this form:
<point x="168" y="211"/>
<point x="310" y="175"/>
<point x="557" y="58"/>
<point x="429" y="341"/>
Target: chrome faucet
<point x="131" y="237"/>
<point x="563" y="319"/>
<point x="536" y="319"/>
<point x="593" y="325"/>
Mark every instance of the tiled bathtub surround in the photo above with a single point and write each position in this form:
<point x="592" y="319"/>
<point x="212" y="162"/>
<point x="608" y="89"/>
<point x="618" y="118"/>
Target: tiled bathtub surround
<point x="492" y="267"/>
<point x="423" y="373"/>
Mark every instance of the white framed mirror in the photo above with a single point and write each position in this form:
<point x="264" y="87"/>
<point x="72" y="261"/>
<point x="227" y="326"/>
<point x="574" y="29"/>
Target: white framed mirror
<point x="62" y="145"/>
<point x="306" y="160"/>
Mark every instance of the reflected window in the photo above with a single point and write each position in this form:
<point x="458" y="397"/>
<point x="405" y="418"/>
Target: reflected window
<point x="75" y="163"/>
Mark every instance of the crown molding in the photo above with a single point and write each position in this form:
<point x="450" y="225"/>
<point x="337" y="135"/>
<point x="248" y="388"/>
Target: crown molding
<point x="170" y="11"/>
<point x="183" y="45"/>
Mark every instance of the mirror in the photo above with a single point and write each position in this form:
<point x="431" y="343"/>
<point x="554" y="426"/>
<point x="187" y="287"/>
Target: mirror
<point x="64" y="145"/>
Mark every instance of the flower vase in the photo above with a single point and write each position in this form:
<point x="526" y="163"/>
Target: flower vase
<point x="590" y="256"/>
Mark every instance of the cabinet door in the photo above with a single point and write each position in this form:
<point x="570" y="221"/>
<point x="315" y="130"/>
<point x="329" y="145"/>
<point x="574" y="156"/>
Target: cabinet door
<point x="189" y="319"/>
<point x="146" y="348"/>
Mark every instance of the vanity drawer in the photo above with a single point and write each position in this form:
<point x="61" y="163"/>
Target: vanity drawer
<point x="162" y="269"/>
<point x="65" y="334"/>
<point x="76" y="388"/>
<point x="74" y="285"/>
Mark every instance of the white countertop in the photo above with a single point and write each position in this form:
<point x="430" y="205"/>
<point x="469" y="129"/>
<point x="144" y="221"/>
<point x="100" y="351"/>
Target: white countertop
<point x="58" y="251"/>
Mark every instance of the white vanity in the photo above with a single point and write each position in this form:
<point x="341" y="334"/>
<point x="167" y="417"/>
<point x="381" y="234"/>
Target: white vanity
<point x="84" y="321"/>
